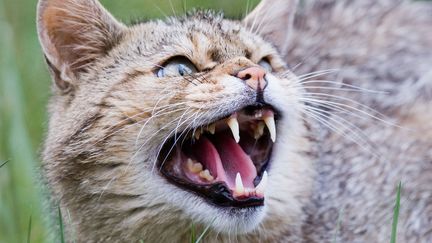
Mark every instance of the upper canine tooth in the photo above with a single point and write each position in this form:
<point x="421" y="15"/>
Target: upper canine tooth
<point x="260" y="189"/>
<point x="270" y="122"/>
<point x="259" y="130"/>
<point x="205" y="174"/>
<point x="239" y="188"/>
<point x="234" y="126"/>
<point x="212" y="128"/>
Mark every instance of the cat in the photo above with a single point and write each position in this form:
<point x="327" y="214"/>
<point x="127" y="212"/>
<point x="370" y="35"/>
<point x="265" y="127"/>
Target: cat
<point x="202" y="121"/>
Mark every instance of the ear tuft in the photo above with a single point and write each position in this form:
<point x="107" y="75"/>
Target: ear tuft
<point x="73" y="33"/>
<point x="273" y="19"/>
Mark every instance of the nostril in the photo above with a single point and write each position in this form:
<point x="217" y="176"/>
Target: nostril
<point x="246" y="77"/>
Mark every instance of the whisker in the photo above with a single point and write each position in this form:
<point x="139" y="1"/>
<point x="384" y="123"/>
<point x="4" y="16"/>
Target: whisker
<point x="312" y="95"/>
<point x="316" y="74"/>
<point x="168" y="136"/>
<point x="317" y="115"/>
<point x="353" y="87"/>
<point x="154" y="116"/>
<point x="331" y="107"/>
<point x="159" y="130"/>
<point x="115" y="125"/>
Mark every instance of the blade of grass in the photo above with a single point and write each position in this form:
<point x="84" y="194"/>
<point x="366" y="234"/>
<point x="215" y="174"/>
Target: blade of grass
<point x="29" y="229"/>
<point x="338" y="224"/>
<point x="193" y="234"/>
<point x="204" y="232"/>
<point x="396" y="214"/>
<point x="4" y="163"/>
<point x="62" y="240"/>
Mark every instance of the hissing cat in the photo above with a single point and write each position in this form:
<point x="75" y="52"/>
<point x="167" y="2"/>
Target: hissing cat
<point x="199" y="120"/>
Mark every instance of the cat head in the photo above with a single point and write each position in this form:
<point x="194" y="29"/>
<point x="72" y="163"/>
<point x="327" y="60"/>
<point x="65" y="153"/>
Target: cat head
<point x="163" y="123"/>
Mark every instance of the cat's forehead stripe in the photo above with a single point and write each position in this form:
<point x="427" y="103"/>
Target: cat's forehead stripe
<point x="202" y="46"/>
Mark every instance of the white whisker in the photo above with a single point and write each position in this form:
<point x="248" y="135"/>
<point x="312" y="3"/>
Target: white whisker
<point x="315" y="95"/>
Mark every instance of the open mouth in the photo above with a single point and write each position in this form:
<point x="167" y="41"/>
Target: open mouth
<point x="225" y="161"/>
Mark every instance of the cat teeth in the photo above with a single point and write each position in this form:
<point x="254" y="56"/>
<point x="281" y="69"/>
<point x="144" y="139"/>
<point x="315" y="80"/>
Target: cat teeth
<point x="211" y="128"/>
<point x="241" y="191"/>
<point x="197" y="134"/>
<point x="239" y="188"/>
<point x="194" y="167"/>
<point x="199" y="131"/>
<point x="234" y="126"/>
<point x="197" y="168"/>
<point x="270" y="123"/>
<point x="258" y="114"/>
<point x="260" y="188"/>
<point x="259" y="130"/>
<point x="205" y="174"/>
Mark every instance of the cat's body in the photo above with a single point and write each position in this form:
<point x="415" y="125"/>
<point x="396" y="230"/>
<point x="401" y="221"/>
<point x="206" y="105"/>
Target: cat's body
<point x="383" y="47"/>
<point x="323" y="178"/>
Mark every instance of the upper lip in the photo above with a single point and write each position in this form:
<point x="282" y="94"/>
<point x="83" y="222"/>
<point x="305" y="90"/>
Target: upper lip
<point x="216" y="172"/>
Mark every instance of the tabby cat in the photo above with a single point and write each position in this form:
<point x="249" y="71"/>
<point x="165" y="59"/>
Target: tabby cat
<point x="294" y="124"/>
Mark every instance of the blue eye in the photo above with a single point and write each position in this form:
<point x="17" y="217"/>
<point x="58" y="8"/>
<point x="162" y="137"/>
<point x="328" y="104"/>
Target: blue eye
<point x="176" y="67"/>
<point x="183" y="70"/>
<point x="161" y="73"/>
<point x="266" y="65"/>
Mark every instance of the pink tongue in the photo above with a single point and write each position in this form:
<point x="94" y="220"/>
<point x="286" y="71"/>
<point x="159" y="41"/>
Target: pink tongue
<point x="206" y="153"/>
<point x="224" y="159"/>
<point x="235" y="160"/>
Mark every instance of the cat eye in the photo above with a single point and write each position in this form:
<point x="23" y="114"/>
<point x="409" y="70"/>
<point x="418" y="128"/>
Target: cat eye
<point x="266" y="64"/>
<point x="175" y="67"/>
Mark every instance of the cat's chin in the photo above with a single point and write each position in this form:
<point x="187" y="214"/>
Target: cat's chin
<point x="231" y="221"/>
<point x="243" y="221"/>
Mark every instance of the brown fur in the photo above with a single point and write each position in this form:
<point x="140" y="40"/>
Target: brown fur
<point x="99" y="159"/>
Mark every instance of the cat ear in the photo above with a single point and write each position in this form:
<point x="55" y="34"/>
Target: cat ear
<point x="273" y="19"/>
<point x="73" y="33"/>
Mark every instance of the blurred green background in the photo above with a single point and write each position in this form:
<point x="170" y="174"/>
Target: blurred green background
<point x="24" y="91"/>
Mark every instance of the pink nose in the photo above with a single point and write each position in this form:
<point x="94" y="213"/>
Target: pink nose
<point x="254" y="77"/>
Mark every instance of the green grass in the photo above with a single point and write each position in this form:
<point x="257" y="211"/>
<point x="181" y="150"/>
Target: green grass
<point x="29" y="230"/>
<point x="24" y="91"/>
<point x="338" y="225"/>
<point x="61" y="227"/>
<point x="201" y="237"/>
<point x="396" y="214"/>
<point x="4" y="163"/>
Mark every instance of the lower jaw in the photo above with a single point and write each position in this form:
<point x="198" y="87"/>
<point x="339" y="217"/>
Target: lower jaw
<point x="219" y="195"/>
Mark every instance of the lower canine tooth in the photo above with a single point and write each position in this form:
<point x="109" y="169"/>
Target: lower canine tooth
<point x="205" y="174"/>
<point x="260" y="189"/>
<point x="239" y="188"/>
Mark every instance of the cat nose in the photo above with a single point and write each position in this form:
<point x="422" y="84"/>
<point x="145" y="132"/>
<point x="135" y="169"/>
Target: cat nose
<point x="254" y="77"/>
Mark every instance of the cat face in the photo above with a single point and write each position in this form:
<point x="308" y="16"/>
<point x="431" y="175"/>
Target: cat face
<point x="190" y="119"/>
